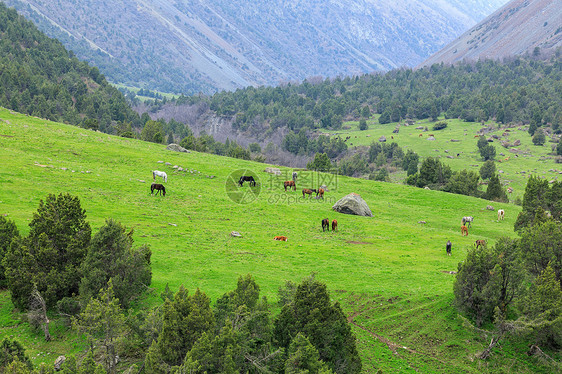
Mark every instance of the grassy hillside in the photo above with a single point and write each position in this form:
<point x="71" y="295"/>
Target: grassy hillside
<point x="389" y="272"/>
<point x="462" y="152"/>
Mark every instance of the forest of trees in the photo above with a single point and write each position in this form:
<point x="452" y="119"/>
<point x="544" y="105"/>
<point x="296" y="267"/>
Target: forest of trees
<point x="515" y="90"/>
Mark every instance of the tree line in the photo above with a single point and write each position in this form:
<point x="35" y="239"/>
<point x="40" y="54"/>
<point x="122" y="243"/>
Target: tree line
<point x="518" y="89"/>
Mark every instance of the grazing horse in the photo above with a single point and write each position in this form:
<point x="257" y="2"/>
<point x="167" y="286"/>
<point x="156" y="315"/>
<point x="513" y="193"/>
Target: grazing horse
<point x="480" y="243"/>
<point x="325" y="224"/>
<point x="307" y="191"/>
<point x="247" y="178"/>
<point x="448" y="247"/>
<point x="160" y="174"/>
<point x="501" y="214"/>
<point x="290" y="184"/>
<point x="320" y="192"/>
<point x="464" y="230"/>
<point x="294" y="176"/>
<point x="159" y="188"/>
<point x="334" y="225"/>
<point x="281" y="238"/>
<point x="468" y="220"/>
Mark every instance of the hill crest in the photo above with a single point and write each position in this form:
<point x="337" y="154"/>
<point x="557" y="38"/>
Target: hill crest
<point x="520" y="27"/>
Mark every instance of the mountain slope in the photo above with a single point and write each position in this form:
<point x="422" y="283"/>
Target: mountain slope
<point x="392" y="274"/>
<point x="194" y="45"/>
<point x="38" y="76"/>
<point x="520" y="27"/>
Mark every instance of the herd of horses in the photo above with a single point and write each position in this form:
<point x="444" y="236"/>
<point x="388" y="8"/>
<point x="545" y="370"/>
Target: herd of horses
<point x="466" y="223"/>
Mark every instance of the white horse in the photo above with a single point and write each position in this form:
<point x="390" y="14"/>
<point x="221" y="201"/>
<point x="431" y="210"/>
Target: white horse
<point x="160" y="174"/>
<point x="467" y="221"/>
<point x="501" y="214"/>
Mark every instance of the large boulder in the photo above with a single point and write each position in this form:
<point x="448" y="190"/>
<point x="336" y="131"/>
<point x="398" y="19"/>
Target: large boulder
<point x="352" y="204"/>
<point x="58" y="362"/>
<point x="176" y="148"/>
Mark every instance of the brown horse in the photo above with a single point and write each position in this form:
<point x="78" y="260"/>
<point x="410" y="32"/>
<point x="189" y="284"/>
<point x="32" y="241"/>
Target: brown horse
<point x="290" y="184"/>
<point x="307" y="191"/>
<point x="325" y="224"/>
<point x="464" y="230"/>
<point x="280" y="238"/>
<point x="334" y="225"/>
<point x="320" y="192"/>
<point x="480" y="243"/>
<point x="159" y="188"/>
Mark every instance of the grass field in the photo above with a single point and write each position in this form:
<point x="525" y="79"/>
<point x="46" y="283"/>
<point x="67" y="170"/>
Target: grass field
<point x="389" y="272"/>
<point x="523" y="161"/>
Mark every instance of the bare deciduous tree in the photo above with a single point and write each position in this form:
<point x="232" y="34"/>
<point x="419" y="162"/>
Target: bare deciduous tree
<point x="38" y="312"/>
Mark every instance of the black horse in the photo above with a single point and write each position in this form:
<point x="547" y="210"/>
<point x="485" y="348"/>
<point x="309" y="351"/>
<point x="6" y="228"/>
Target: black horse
<point x="247" y="178"/>
<point x="325" y="224"/>
<point x="448" y="247"/>
<point x="160" y="189"/>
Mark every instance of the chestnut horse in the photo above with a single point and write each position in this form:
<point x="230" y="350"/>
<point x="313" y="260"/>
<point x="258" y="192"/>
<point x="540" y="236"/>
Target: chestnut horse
<point x="320" y="192"/>
<point x="307" y="191"/>
<point x="290" y="184"/>
<point x="464" y="230"/>
<point x="334" y="225"/>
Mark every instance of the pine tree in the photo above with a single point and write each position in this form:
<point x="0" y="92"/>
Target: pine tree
<point x="111" y="257"/>
<point x="495" y="191"/>
<point x="304" y="358"/>
<point x="8" y="231"/>
<point x="102" y="321"/>
<point x="184" y="320"/>
<point x="488" y="169"/>
<point x="543" y="309"/>
<point x="52" y="254"/>
<point x="324" y="324"/>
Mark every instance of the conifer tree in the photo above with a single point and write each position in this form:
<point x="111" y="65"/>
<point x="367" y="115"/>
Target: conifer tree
<point x="542" y="309"/>
<point x="495" y="191"/>
<point x="111" y="257"/>
<point x="102" y="321"/>
<point x="323" y="323"/>
<point x="51" y="255"/>
<point x="8" y="231"/>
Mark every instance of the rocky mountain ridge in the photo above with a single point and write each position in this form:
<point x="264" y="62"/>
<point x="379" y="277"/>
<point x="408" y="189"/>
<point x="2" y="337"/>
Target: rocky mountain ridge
<point x="520" y="27"/>
<point x="193" y="46"/>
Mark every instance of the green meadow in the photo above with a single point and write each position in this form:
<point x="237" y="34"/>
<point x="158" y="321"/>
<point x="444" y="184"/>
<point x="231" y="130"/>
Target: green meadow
<point x="462" y="153"/>
<point x="389" y="272"/>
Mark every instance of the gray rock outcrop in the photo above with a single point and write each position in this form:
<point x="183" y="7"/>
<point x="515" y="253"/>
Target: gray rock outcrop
<point x="352" y="204"/>
<point x="176" y="148"/>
